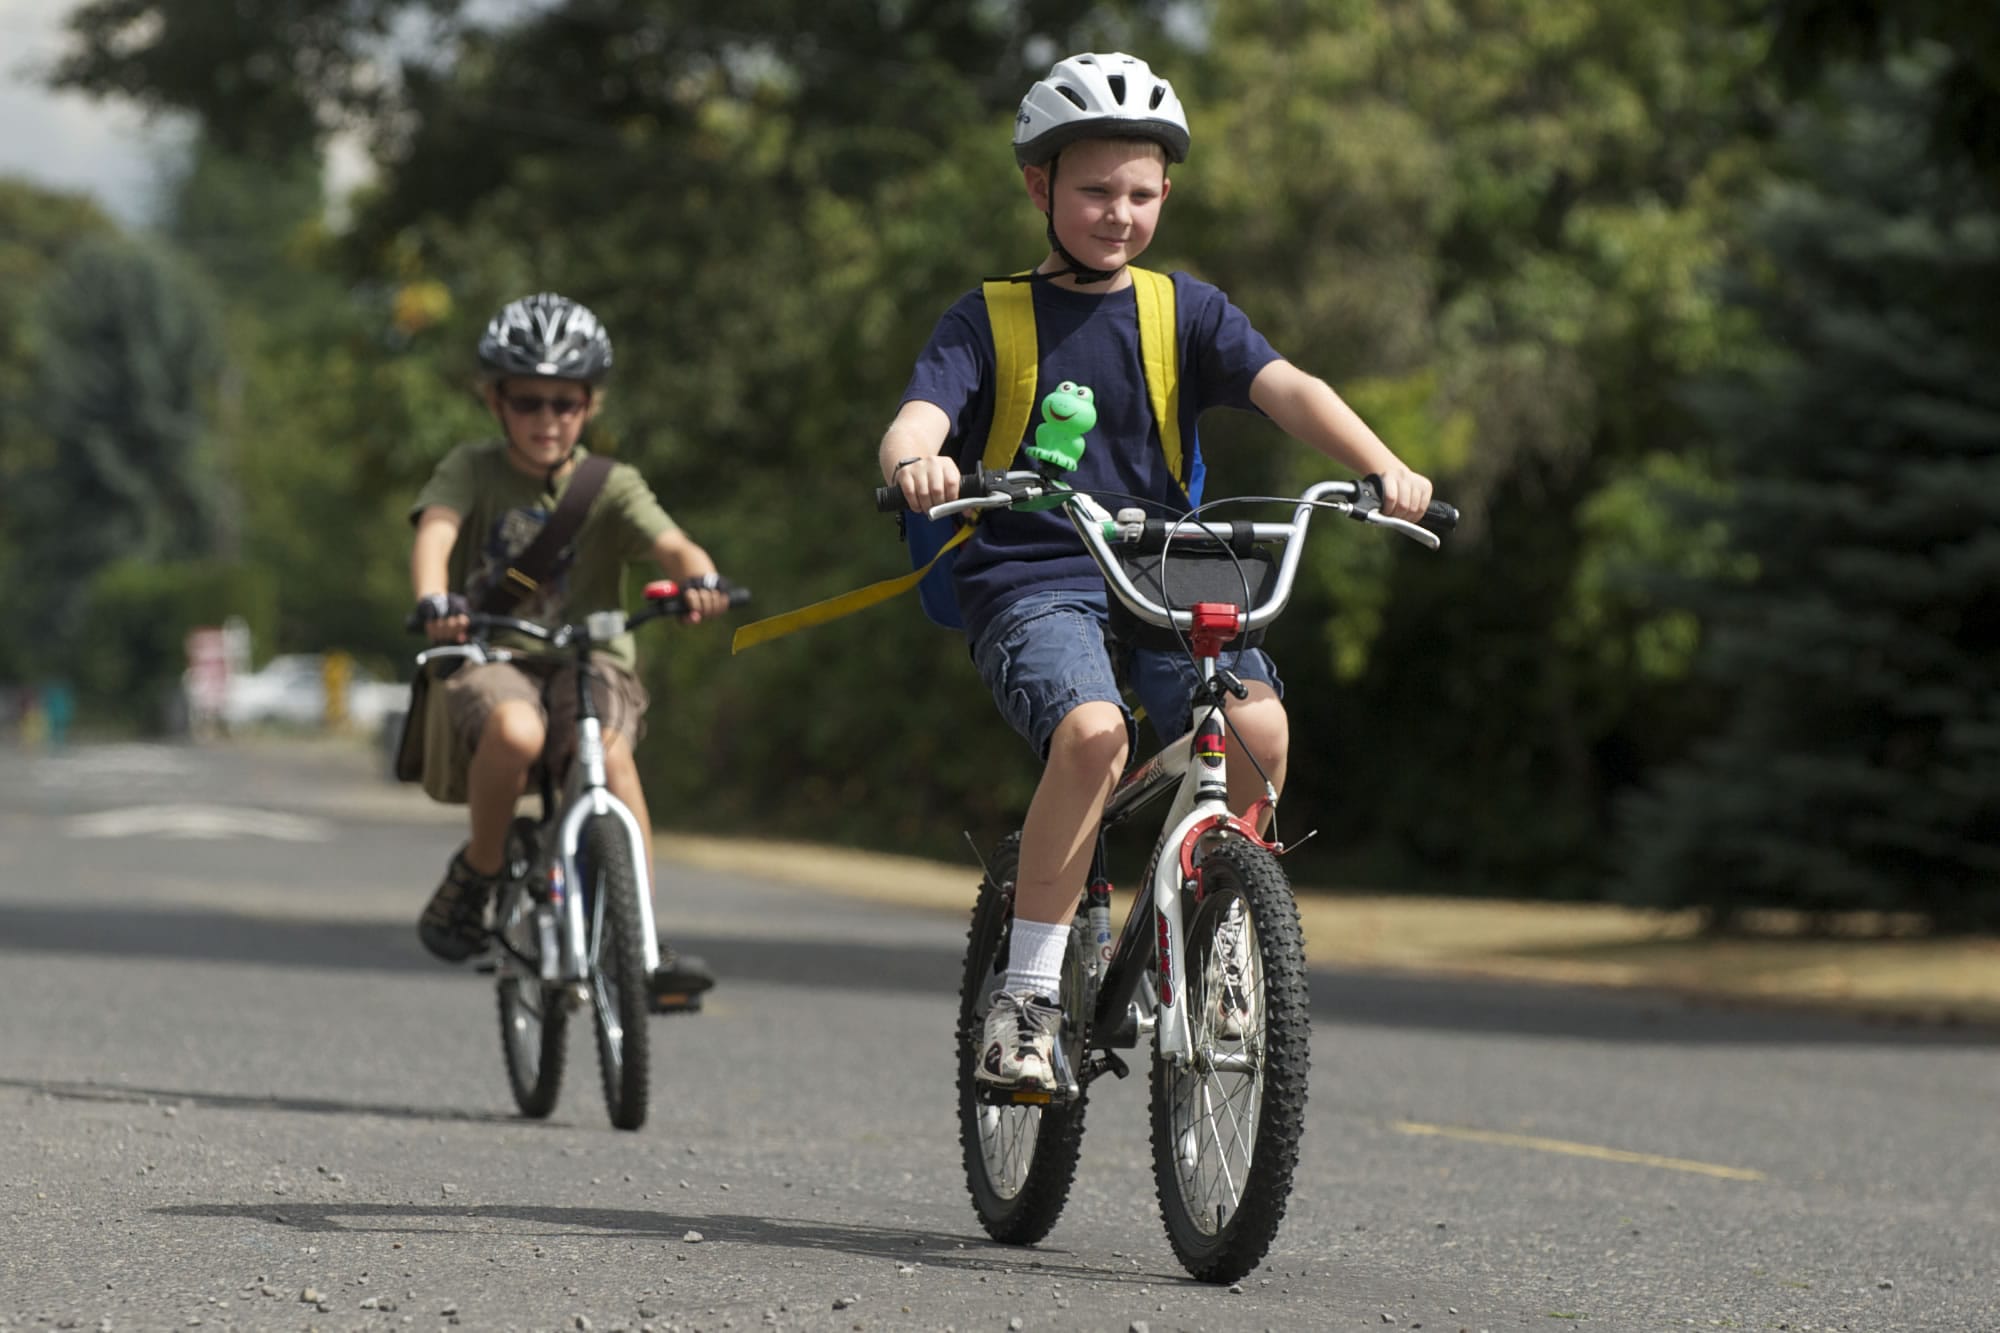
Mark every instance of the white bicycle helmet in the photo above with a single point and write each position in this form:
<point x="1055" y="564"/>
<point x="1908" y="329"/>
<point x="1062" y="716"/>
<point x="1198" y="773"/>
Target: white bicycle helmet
<point x="1098" y="96"/>
<point x="546" y="334"/>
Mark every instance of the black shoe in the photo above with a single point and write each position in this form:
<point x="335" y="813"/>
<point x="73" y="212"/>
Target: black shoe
<point x="453" y="926"/>
<point x="678" y="985"/>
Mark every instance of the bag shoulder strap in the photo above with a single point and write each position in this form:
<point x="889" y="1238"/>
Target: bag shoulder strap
<point x="1017" y="364"/>
<point x="538" y="557"/>
<point x="1159" y="351"/>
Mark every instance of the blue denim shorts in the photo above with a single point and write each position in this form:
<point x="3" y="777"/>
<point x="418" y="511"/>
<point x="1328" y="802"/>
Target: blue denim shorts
<point x="1045" y="654"/>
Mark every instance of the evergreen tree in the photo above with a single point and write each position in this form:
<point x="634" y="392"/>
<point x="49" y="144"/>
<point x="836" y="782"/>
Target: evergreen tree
<point x="1859" y="767"/>
<point x="129" y="355"/>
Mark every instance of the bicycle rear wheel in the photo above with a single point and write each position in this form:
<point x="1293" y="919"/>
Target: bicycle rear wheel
<point x="1226" y="1124"/>
<point x="1019" y="1160"/>
<point x="618" y="982"/>
<point x="533" y="1020"/>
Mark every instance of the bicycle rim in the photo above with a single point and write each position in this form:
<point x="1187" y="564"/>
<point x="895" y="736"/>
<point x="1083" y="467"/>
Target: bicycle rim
<point x="1226" y="1124"/>
<point x="1019" y="1160"/>
<point x="618" y="996"/>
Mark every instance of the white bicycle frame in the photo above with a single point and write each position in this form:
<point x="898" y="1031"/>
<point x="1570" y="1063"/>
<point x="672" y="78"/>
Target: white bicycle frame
<point x="585" y="796"/>
<point x="1200" y="806"/>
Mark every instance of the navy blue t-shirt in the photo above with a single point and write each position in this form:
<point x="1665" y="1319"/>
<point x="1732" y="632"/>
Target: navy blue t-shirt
<point x="1093" y="340"/>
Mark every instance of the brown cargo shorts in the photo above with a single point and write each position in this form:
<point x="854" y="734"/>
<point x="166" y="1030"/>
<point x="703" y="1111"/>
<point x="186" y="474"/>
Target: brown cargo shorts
<point x="471" y="695"/>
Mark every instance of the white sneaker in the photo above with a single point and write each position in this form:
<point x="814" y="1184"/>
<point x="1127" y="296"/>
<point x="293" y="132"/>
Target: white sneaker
<point x="1235" y="1001"/>
<point x="1017" y="1048"/>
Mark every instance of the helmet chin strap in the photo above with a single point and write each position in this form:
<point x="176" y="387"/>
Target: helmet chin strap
<point x="1077" y="269"/>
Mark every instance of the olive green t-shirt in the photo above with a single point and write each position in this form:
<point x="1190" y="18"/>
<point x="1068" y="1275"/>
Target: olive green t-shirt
<point x="502" y="509"/>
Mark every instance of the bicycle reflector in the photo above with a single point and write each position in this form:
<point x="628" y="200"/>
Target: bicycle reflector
<point x="1215" y="623"/>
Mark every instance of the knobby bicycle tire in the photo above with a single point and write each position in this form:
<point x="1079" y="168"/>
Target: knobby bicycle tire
<point x="1019" y="1160"/>
<point x="618" y="981"/>
<point x="1226" y="1140"/>
<point x="534" y="1022"/>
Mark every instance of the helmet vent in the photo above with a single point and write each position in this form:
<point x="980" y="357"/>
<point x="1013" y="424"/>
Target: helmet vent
<point x="1117" y="82"/>
<point x="1159" y="96"/>
<point x="1073" y="95"/>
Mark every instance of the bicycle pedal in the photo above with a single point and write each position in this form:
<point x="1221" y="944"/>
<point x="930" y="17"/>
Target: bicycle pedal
<point x="991" y="1096"/>
<point x="676" y="1004"/>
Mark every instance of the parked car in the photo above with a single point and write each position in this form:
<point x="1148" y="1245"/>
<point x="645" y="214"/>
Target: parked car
<point x="290" y="690"/>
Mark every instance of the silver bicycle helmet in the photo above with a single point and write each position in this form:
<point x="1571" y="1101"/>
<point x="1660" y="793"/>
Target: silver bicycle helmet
<point x="549" y="335"/>
<point x="1098" y="96"/>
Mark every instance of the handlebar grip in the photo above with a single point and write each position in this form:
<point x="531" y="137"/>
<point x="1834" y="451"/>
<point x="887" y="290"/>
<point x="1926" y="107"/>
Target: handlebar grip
<point x="1439" y="518"/>
<point x="972" y="481"/>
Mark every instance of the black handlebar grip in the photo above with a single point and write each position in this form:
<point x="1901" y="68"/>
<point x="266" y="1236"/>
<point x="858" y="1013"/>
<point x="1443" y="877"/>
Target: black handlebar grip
<point x="1440" y="517"/>
<point x="889" y="500"/>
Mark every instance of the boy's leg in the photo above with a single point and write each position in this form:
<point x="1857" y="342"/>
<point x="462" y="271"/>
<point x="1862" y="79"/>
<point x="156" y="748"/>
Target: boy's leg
<point x="1044" y="660"/>
<point x="1262" y="728"/>
<point x="453" y="924"/>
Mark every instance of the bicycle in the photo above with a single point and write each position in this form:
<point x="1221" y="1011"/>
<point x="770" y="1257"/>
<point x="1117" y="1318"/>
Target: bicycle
<point x="573" y="917"/>
<point x="1210" y="964"/>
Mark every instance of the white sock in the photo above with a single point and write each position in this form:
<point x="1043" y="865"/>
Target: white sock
<point x="1034" y="958"/>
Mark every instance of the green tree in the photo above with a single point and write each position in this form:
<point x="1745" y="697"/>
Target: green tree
<point x="38" y="229"/>
<point x="1859" y="765"/>
<point x="128" y="358"/>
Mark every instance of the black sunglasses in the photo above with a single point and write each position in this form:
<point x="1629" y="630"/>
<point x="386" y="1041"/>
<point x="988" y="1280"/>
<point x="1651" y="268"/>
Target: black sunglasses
<point x="528" y="404"/>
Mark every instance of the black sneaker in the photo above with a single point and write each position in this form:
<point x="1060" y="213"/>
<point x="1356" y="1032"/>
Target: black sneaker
<point x="678" y="985"/>
<point x="453" y="926"/>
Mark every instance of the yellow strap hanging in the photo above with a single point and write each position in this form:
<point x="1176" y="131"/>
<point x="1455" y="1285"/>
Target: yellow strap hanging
<point x="1010" y="309"/>
<point x="833" y="608"/>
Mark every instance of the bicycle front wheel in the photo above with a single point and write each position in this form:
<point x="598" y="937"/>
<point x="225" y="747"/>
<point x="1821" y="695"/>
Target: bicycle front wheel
<point x="1019" y="1160"/>
<point x="533" y="1020"/>
<point x="1226" y="1123"/>
<point x="618" y="982"/>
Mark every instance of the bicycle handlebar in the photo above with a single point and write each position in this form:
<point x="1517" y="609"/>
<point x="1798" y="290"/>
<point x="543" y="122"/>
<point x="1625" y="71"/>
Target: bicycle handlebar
<point x="664" y="598"/>
<point x="1360" y="500"/>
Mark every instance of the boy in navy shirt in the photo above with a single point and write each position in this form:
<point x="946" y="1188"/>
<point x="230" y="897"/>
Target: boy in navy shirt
<point x="1094" y="140"/>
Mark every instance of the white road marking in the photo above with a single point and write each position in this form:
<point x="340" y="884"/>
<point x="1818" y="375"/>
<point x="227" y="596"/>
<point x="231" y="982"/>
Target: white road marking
<point x="207" y="822"/>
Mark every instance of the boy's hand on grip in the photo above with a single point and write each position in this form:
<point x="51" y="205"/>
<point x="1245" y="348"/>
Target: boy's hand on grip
<point x="927" y="481"/>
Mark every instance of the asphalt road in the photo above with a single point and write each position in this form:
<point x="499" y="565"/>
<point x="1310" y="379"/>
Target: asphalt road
<point x="234" y="1093"/>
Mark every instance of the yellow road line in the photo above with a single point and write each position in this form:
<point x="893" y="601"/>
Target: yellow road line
<point x="1536" y="1144"/>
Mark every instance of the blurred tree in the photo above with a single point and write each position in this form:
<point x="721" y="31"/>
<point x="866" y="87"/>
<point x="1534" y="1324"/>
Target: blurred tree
<point x="1859" y="767"/>
<point x="128" y="358"/>
<point x="1962" y="112"/>
<point x="38" y="229"/>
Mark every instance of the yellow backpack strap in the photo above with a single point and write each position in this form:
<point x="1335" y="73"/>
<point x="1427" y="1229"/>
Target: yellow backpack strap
<point x="833" y="608"/>
<point x="1010" y="308"/>
<point x="1159" y="350"/>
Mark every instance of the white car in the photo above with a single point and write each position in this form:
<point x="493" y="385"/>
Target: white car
<point x="290" y="690"/>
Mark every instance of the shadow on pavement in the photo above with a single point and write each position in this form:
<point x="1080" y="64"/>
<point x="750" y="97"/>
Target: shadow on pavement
<point x="1381" y="1000"/>
<point x="238" y="1101"/>
<point x="926" y="1245"/>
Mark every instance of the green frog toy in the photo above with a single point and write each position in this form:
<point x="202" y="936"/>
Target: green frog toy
<point x="1066" y="415"/>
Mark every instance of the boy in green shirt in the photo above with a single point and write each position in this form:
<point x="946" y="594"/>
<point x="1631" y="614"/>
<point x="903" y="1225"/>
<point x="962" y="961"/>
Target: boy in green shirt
<point x="542" y="360"/>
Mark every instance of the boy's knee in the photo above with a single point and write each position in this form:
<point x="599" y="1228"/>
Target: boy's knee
<point x="514" y="733"/>
<point x="1262" y="723"/>
<point x="1092" y="736"/>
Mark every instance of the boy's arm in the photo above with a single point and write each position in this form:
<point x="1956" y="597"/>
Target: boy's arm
<point x="681" y="559"/>
<point x="1306" y="408"/>
<point x="430" y="567"/>
<point x="919" y="432"/>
